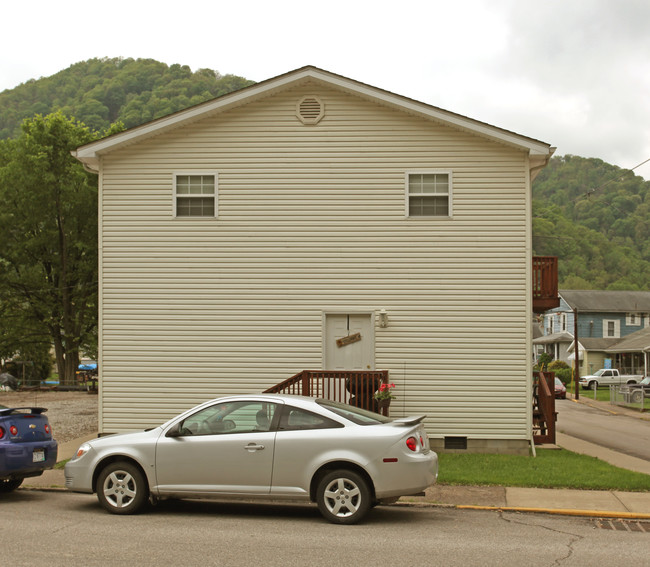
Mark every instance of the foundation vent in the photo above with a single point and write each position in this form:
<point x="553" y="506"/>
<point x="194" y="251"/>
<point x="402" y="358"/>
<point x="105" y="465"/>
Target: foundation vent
<point x="459" y="443"/>
<point x="310" y="110"/>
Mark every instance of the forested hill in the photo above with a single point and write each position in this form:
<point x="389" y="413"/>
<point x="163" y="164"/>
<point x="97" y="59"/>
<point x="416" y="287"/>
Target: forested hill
<point x="99" y="92"/>
<point x="594" y="216"/>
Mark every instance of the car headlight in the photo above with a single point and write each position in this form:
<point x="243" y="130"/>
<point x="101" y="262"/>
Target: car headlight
<point x="81" y="451"/>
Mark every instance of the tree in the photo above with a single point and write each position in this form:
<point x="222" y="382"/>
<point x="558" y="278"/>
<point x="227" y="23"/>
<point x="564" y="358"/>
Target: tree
<point x="48" y="244"/>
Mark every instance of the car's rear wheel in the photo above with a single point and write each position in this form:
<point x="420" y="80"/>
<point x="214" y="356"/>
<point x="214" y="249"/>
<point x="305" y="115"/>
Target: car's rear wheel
<point x="10" y="484"/>
<point x="343" y="497"/>
<point x="122" y="488"/>
<point x="637" y="397"/>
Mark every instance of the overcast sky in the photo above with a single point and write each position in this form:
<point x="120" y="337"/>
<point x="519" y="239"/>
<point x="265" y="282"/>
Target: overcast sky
<point x="572" y="73"/>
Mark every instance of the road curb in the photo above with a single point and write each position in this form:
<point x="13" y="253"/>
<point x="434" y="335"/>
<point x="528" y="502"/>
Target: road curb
<point x="521" y="509"/>
<point x="561" y="512"/>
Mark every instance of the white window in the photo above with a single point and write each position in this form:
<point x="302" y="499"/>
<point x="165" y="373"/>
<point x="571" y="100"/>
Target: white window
<point x="428" y="194"/>
<point x="195" y="195"/>
<point x="549" y="324"/>
<point x="611" y="329"/>
<point x="633" y="319"/>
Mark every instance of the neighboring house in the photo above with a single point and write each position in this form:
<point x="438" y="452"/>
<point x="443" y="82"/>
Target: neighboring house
<point x="604" y="318"/>
<point x="241" y="238"/>
<point x="632" y="354"/>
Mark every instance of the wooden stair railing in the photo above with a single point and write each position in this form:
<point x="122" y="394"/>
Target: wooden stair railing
<point x="354" y="387"/>
<point x="544" y="414"/>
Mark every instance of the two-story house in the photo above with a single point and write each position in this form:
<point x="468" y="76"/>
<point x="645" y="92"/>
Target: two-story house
<point x="311" y="221"/>
<point x="604" y="319"/>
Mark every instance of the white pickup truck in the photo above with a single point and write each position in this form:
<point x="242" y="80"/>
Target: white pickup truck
<point x="608" y="377"/>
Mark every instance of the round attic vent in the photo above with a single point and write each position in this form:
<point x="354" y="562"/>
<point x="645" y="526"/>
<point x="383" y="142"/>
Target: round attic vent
<point x="310" y="110"/>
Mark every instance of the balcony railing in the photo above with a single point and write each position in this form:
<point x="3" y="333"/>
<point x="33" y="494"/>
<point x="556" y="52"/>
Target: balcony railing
<point x="545" y="285"/>
<point x="354" y="387"/>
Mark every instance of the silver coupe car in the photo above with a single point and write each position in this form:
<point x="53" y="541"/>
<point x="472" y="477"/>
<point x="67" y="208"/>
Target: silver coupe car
<point x="266" y="446"/>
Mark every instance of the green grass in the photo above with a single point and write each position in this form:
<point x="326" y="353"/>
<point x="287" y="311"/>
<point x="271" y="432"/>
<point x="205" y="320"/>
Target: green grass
<point x="602" y="394"/>
<point x="552" y="468"/>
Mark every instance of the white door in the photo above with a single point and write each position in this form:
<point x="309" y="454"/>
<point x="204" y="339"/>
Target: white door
<point x="349" y="342"/>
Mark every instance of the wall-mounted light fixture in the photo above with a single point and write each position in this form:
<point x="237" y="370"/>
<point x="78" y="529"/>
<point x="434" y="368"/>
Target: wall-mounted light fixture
<point x="383" y="319"/>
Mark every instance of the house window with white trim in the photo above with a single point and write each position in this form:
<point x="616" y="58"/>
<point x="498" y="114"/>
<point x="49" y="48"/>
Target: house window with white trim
<point x="549" y="324"/>
<point x="633" y="319"/>
<point x="195" y="195"/>
<point x="428" y="194"/>
<point x="611" y="329"/>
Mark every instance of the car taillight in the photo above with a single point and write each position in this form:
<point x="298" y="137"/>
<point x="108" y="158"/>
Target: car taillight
<point x="412" y="443"/>
<point x="47" y="428"/>
<point x="13" y="430"/>
<point x="2" y="432"/>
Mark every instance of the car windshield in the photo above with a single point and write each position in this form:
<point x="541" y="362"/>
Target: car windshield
<point x="599" y="372"/>
<point x="645" y="381"/>
<point x="558" y="382"/>
<point x="354" y="414"/>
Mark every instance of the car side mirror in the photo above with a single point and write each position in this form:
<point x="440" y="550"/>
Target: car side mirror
<point x="174" y="431"/>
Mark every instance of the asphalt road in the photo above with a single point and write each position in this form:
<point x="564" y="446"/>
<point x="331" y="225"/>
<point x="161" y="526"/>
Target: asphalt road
<point x="66" y="529"/>
<point x="628" y="435"/>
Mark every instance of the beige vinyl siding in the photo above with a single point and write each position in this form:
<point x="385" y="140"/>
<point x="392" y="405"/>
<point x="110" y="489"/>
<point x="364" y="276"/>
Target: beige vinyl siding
<point x="312" y="219"/>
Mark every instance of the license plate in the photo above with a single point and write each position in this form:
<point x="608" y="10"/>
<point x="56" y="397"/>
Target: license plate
<point x="38" y="456"/>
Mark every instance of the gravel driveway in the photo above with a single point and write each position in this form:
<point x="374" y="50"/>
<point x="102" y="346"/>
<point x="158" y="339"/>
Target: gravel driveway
<point x="71" y="414"/>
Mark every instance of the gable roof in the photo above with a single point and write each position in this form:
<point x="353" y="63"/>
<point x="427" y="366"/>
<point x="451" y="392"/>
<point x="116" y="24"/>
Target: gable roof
<point x="88" y="154"/>
<point x="590" y="344"/>
<point x="607" y="301"/>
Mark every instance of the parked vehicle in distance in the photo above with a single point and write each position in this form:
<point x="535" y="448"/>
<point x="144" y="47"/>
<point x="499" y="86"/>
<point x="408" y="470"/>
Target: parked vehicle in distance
<point x="560" y="389"/>
<point x="26" y="445"/>
<point x="634" y="393"/>
<point x="608" y="377"/>
<point x="280" y="447"/>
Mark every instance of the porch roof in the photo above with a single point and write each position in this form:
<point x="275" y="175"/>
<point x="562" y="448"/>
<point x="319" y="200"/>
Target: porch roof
<point x="636" y="342"/>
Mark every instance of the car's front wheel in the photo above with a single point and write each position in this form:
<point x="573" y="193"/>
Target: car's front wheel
<point x="343" y="497"/>
<point x="10" y="484"/>
<point x="122" y="488"/>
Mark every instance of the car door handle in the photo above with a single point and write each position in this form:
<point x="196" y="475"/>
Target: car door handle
<point x="254" y="447"/>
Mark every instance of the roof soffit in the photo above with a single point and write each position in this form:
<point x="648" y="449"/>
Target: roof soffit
<point x="540" y="152"/>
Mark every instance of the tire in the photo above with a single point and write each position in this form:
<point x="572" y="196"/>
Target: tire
<point x="10" y="485"/>
<point x="343" y="497"/>
<point x="637" y="397"/>
<point x="593" y="385"/>
<point x="122" y="488"/>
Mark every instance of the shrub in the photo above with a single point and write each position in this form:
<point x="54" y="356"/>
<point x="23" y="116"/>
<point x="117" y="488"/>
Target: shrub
<point x="557" y="365"/>
<point x="563" y="374"/>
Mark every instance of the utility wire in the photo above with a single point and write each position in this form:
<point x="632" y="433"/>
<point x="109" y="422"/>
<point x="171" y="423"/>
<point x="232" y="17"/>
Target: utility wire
<point x="618" y="176"/>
